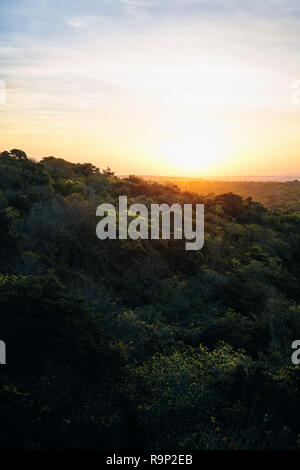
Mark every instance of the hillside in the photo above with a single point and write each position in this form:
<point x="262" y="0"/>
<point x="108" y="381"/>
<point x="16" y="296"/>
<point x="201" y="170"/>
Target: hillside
<point x="121" y="344"/>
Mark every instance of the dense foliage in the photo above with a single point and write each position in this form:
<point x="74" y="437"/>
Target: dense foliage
<point x="123" y="344"/>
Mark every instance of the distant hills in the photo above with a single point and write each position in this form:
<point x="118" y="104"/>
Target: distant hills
<point x="274" y="192"/>
<point x="277" y="178"/>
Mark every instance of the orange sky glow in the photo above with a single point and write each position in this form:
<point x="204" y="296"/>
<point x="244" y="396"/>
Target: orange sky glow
<point x="206" y="93"/>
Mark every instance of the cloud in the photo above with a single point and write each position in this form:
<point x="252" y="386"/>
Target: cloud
<point x="133" y="6"/>
<point x="200" y="62"/>
<point x="183" y="8"/>
<point x="87" y="21"/>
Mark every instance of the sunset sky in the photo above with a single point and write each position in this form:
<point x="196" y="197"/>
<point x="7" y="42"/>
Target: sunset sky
<point x="161" y="87"/>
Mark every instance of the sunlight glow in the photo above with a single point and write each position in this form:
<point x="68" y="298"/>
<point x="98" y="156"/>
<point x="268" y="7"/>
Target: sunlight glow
<point x="192" y="153"/>
<point x="199" y="95"/>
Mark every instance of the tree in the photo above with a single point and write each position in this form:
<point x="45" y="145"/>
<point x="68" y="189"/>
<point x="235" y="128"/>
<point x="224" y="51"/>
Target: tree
<point x="18" y="154"/>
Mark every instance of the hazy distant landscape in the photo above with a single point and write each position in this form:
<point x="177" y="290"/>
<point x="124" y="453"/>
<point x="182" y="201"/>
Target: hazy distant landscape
<point x="279" y="193"/>
<point x="278" y="178"/>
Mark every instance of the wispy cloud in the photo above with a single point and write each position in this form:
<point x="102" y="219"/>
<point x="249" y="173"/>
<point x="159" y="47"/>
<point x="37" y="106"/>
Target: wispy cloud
<point x="87" y="21"/>
<point x="134" y="6"/>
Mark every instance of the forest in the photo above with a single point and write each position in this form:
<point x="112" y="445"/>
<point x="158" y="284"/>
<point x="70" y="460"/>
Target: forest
<point x="122" y="344"/>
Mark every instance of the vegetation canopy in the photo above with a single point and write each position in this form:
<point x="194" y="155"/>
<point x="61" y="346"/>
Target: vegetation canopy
<point x="116" y="344"/>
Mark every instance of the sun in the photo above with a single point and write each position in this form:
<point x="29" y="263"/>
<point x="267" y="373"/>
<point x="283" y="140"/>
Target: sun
<point x="192" y="153"/>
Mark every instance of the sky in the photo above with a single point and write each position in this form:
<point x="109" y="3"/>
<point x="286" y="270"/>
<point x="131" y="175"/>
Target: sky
<point x="153" y="87"/>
